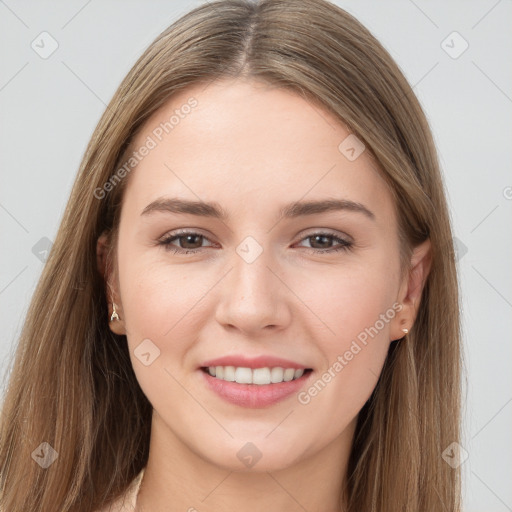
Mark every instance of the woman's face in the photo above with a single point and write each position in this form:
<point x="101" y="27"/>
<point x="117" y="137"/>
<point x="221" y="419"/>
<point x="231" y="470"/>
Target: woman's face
<point x="319" y="288"/>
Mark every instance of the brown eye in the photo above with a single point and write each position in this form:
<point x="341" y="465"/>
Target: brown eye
<point x="189" y="242"/>
<point x="322" y="242"/>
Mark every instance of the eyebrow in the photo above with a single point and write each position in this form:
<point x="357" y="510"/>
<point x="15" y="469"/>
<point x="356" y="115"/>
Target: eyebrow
<point x="292" y="210"/>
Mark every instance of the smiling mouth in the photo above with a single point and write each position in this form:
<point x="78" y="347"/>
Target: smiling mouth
<point x="256" y="376"/>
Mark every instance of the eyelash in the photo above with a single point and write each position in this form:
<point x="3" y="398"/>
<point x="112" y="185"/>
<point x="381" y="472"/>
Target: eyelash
<point x="166" y="242"/>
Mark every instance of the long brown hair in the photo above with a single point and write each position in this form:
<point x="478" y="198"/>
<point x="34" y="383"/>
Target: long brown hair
<point x="72" y="385"/>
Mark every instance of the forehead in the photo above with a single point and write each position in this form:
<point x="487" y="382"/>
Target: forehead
<point x="234" y="140"/>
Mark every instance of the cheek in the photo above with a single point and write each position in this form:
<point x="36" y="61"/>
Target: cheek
<point x="158" y="299"/>
<point x="350" y="300"/>
<point x="161" y="304"/>
<point x="357" y="307"/>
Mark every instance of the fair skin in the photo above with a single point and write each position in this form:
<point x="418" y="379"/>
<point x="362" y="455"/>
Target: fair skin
<point x="252" y="149"/>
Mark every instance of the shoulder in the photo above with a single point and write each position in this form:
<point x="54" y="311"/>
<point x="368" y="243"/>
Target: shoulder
<point x="126" y="502"/>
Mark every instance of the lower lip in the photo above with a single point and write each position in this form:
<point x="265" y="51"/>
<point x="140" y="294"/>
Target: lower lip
<point x="254" y="395"/>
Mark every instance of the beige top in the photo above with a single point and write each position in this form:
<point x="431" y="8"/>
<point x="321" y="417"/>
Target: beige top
<point x="126" y="502"/>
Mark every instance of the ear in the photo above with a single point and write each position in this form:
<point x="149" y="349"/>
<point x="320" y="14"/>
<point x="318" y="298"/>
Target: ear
<point x="109" y="275"/>
<point x="410" y="291"/>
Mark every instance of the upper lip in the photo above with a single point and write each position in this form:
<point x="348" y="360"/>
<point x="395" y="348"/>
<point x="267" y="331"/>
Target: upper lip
<point x="256" y="362"/>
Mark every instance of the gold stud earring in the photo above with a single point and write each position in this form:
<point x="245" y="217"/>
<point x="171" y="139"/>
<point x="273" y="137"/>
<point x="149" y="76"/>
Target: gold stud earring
<point x="114" y="316"/>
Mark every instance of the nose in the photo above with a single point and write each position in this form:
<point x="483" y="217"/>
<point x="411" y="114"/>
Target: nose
<point x="253" y="297"/>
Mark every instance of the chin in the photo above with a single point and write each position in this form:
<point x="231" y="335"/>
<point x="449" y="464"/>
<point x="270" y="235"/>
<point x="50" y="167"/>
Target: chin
<point x="257" y="456"/>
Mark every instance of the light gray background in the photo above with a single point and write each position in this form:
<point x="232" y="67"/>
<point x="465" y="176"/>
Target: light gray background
<point x="49" y="108"/>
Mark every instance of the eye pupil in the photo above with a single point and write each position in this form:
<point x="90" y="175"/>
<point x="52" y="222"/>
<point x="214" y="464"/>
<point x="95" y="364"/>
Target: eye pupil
<point x="187" y="238"/>
<point x="190" y="243"/>
<point x="324" y="237"/>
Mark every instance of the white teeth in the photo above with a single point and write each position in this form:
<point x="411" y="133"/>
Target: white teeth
<point x="288" y="374"/>
<point x="276" y="374"/>
<point x="259" y="376"/>
<point x="243" y="375"/>
<point x="229" y="373"/>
